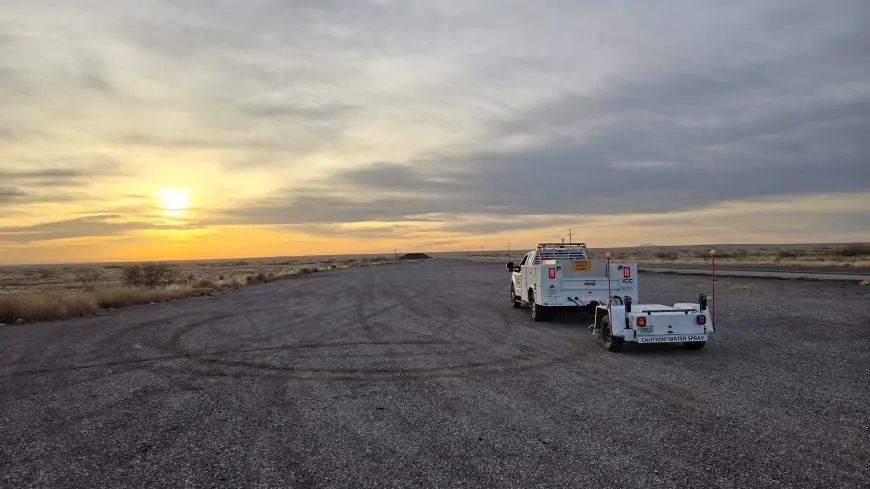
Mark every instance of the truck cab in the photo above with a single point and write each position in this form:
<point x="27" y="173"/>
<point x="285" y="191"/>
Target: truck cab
<point x="560" y="275"/>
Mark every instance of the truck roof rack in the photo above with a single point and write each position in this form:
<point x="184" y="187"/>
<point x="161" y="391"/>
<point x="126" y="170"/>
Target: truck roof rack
<point x="559" y="245"/>
<point x="564" y="251"/>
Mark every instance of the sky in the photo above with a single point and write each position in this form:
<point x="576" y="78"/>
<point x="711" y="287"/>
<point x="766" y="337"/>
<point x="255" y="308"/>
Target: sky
<point x="187" y="129"/>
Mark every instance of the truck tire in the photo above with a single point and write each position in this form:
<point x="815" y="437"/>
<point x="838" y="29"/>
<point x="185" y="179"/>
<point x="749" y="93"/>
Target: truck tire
<point x="515" y="301"/>
<point x="608" y="342"/>
<point x="694" y="345"/>
<point x="539" y="313"/>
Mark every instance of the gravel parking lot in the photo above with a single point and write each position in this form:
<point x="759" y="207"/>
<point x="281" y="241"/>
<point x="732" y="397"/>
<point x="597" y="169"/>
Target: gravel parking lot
<point x="422" y="375"/>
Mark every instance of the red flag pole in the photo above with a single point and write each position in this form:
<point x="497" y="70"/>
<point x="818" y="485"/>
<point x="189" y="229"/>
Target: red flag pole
<point x="609" y="294"/>
<point x="713" y="309"/>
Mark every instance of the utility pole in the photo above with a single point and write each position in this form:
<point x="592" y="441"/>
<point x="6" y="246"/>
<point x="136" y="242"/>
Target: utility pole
<point x="570" y="235"/>
<point x="509" y="249"/>
<point x="395" y="254"/>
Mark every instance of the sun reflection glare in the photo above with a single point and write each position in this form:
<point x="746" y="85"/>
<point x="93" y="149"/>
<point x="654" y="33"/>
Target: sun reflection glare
<point x="173" y="201"/>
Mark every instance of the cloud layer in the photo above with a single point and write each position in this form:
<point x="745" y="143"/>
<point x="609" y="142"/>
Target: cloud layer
<point x="440" y="122"/>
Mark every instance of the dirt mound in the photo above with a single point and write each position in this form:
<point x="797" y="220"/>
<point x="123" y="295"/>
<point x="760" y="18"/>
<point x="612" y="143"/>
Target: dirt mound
<point x="415" y="256"/>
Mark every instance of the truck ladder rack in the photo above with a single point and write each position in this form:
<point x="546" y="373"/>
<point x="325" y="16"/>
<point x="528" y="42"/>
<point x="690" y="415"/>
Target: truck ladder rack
<point x="564" y="251"/>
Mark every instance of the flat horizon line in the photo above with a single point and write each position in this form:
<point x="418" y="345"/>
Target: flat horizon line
<point x="471" y="251"/>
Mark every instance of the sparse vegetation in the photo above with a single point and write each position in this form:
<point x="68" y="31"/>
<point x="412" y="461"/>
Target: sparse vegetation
<point x="88" y="278"/>
<point x="666" y="255"/>
<point x="45" y="294"/>
<point x="150" y="275"/>
<point x="853" y="250"/>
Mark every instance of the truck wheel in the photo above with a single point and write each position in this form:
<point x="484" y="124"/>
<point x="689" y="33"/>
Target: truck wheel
<point x="515" y="301"/>
<point x="609" y="342"/>
<point x="694" y="345"/>
<point x="538" y="312"/>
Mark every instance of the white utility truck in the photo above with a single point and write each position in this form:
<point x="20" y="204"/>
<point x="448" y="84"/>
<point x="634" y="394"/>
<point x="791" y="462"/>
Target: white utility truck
<point x="561" y="275"/>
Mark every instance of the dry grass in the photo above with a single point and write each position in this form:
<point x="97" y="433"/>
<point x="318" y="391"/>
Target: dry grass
<point x="62" y="304"/>
<point x="30" y="294"/>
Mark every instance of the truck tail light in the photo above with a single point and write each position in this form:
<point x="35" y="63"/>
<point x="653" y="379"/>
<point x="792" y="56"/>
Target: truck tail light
<point x="552" y="274"/>
<point x="641" y="322"/>
<point x="626" y="272"/>
<point x="701" y="319"/>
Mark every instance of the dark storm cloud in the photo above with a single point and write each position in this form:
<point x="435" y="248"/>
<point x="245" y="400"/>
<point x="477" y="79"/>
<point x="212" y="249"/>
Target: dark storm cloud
<point x="90" y="226"/>
<point x="676" y="137"/>
<point x="62" y="184"/>
<point x="639" y="165"/>
<point x="9" y="194"/>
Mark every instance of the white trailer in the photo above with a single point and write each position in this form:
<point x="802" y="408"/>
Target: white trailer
<point x="622" y="321"/>
<point x="560" y="275"/>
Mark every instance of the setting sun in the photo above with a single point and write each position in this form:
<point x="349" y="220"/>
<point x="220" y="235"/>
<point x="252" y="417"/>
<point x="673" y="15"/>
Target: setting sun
<point x="173" y="200"/>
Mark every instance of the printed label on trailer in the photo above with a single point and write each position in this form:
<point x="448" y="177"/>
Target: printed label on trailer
<point x="672" y="338"/>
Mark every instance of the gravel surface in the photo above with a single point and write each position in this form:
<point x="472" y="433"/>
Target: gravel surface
<point x="422" y="375"/>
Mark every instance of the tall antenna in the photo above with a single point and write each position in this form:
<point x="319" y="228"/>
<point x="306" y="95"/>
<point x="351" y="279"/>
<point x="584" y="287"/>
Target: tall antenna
<point x="570" y="235"/>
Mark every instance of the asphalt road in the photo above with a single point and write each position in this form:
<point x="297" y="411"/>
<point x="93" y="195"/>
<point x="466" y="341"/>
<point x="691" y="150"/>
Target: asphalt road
<point x="765" y="271"/>
<point x="422" y="375"/>
<point x="764" y="268"/>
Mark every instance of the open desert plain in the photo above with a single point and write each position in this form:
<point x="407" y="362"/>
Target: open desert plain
<point x="420" y="373"/>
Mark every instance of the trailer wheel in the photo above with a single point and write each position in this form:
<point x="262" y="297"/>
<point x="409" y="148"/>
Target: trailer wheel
<point x="694" y="345"/>
<point x="609" y="342"/>
<point x="539" y="313"/>
<point x="515" y="301"/>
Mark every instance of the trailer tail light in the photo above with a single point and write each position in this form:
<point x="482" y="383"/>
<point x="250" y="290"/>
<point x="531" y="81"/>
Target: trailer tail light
<point x="626" y="272"/>
<point x="552" y="274"/>
<point x="701" y="319"/>
<point x="641" y="322"/>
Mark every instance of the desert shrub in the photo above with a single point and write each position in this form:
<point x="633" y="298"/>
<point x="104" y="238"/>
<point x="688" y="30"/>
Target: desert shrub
<point x="206" y="284"/>
<point x="259" y="278"/>
<point x="46" y="273"/>
<point x="852" y="250"/>
<point x="666" y="254"/>
<point x="150" y="275"/>
<point x="786" y="254"/>
<point x="88" y="278"/>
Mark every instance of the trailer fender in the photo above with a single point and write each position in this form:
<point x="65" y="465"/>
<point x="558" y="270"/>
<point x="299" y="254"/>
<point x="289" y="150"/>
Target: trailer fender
<point x="617" y="318"/>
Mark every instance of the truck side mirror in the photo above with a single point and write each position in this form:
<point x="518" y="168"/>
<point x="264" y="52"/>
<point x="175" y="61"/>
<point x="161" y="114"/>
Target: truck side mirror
<point x="510" y="266"/>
